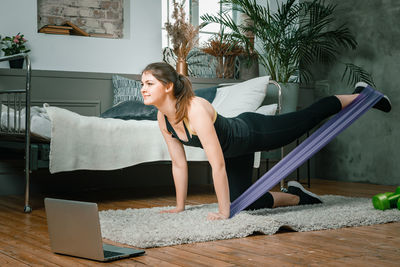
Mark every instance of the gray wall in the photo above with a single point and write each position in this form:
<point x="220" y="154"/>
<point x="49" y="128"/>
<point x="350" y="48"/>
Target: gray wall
<point x="369" y="150"/>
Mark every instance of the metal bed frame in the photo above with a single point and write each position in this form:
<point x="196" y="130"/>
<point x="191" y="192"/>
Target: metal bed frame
<point x="279" y="110"/>
<point x="14" y="98"/>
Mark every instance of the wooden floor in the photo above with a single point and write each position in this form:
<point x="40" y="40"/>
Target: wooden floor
<point x="24" y="239"/>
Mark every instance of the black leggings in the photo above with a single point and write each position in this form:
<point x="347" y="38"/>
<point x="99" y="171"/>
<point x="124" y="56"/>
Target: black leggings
<point x="271" y="132"/>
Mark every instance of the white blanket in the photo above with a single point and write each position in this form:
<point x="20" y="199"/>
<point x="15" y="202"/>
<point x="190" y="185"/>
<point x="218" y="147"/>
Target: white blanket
<point x="92" y="143"/>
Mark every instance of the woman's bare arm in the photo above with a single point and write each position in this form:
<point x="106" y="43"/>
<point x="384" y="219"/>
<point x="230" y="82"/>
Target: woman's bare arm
<point x="179" y="165"/>
<point x="201" y="120"/>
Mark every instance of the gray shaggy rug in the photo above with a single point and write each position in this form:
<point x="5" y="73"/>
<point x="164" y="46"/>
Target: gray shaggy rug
<point x="146" y="228"/>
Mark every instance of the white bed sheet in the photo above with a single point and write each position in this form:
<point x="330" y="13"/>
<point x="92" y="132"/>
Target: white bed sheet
<point x="40" y="121"/>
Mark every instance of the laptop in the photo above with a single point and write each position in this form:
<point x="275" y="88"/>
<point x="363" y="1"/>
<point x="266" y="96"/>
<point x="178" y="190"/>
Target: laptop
<point x="74" y="230"/>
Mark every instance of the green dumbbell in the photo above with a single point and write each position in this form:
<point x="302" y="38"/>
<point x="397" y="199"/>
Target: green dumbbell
<point x="387" y="200"/>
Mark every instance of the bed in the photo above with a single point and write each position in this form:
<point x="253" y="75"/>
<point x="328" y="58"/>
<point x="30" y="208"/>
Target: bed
<point x="42" y="135"/>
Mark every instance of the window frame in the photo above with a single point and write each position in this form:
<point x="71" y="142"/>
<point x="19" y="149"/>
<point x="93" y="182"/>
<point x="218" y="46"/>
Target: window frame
<point x="194" y="17"/>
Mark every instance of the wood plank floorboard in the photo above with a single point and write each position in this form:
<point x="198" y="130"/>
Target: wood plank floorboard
<point x="24" y="239"/>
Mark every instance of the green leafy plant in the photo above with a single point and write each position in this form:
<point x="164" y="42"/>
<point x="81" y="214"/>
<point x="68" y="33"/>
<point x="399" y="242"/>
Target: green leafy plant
<point x="291" y="40"/>
<point x="355" y="74"/>
<point x="14" y="45"/>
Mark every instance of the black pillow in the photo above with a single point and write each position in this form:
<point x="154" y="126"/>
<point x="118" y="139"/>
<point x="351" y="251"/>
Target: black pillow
<point x="207" y="93"/>
<point x="131" y="110"/>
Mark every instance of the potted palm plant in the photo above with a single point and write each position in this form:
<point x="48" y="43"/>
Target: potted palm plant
<point x="291" y="40"/>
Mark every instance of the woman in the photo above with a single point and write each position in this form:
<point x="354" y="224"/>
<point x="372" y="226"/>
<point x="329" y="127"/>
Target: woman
<point x="229" y="143"/>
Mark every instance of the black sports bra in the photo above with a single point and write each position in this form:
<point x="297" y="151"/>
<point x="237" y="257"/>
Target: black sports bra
<point x="192" y="140"/>
<point x="233" y="134"/>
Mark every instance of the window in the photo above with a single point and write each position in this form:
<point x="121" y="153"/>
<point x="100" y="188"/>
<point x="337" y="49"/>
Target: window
<point x="194" y="9"/>
<point x="212" y="7"/>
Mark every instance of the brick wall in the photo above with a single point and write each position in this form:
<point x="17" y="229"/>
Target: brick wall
<point x="93" y="16"/>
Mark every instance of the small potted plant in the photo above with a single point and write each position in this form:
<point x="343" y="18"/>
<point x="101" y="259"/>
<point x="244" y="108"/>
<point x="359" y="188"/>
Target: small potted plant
<point x="12" y="46"/>
<point x="225" y="50"/>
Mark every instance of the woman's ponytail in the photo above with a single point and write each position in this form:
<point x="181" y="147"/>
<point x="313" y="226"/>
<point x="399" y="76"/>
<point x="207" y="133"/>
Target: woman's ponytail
<point x="183" y="93"/>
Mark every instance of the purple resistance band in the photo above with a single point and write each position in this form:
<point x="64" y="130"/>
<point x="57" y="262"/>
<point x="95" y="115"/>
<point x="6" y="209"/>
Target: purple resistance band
<point x="368" y="98"/>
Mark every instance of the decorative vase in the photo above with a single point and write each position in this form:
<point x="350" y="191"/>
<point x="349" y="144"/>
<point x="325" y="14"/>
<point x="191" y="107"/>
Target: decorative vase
<point x="219" y="69"/>
<point x="16" y="63"/>
<point x="225" y="67"/>
<point x="181" y="66"/>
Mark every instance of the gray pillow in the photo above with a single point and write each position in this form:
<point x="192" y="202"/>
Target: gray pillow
<point x="131" y="110"/>
<point x="125" y="89"/>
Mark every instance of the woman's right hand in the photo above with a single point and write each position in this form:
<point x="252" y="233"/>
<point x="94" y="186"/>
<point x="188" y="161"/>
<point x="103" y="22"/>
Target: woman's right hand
<point x="175" y="210"/>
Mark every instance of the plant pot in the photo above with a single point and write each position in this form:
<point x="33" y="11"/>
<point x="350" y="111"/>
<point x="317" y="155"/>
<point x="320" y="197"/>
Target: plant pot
<point x="181" y="66"/>
<point x="16" y="63"/>
<point x="225" y="67"/>
<point x="290" y="96"/>
<point x="248" y="70"/>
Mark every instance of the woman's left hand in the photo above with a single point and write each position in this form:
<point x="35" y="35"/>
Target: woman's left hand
<point x="216" y="216"/>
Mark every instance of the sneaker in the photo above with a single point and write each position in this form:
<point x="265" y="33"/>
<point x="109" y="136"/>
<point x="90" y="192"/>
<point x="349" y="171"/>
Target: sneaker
<point x="384" y="104"/>
<point x="306" y="197"/>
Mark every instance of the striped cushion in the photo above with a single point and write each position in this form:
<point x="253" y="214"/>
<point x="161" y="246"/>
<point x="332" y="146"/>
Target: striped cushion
<point x="125" y="89"/>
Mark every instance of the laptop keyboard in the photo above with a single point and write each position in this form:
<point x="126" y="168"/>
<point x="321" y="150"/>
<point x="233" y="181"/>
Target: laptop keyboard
<point x="109" y="254"/>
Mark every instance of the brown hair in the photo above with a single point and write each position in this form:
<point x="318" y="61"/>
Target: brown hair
<point x="183" y="91"/>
